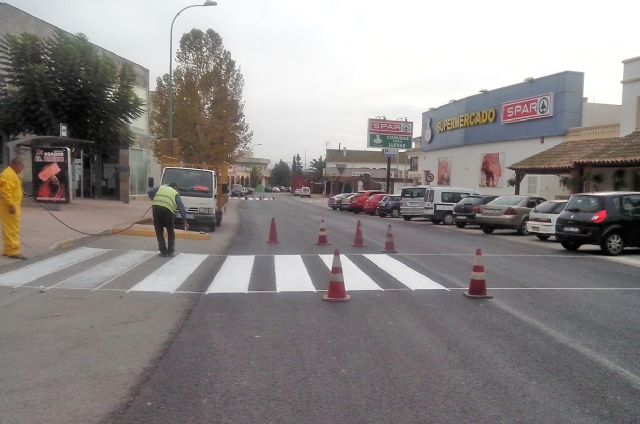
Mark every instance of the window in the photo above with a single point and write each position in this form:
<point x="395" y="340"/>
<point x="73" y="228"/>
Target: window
<point x="413" y="192"/>
<point x="532" y="184"/>
<point x="452" y="197"/>
<point x="414" y="164"/>
<point x="507" y="201"/>
<point x="584" y="204"/>
<point x="630" y="206"/>
<point x="429" y="196"/>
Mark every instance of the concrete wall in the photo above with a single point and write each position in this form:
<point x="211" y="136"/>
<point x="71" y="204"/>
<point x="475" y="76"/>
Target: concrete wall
<point x="466" y="164"/>
<point x="600" y="114"/>
<point x="630" y="120"/>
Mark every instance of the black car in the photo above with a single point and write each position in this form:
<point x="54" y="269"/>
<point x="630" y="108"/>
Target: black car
<point x="610" y="220"/>
<point x="389" y="205"/>
<point x="464" y="212"/>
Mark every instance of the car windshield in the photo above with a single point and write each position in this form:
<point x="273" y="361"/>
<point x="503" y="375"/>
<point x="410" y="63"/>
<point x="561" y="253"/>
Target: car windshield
<point x="550" y="207"/>
<point x="190" y="182"/>
<point x="506" y="201"/>
<point x="579" y="203"/>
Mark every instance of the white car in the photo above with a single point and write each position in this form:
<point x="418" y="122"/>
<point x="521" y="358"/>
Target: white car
<point x="297" y="192"/>
<point x="542" y="219"/>
<point x="275" y="190"/>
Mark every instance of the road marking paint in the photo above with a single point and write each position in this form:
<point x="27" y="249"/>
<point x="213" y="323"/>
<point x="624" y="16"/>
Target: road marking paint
<point x="354" y="277"/>
<point x="105" y="272"/>
<point x="170" y="276"/>
<point x="234" y="275"/>
<point x="291" y="274"/>
<point x="37" y="270"/>
<point x="552" y="288"/>
<point x="401" y="272"/>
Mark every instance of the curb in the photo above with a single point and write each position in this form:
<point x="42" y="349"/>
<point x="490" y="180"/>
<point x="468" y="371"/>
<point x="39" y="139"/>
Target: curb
<point x="144" y="232"/>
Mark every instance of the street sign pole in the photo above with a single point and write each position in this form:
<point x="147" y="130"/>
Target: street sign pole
<point x="388" y="173"/>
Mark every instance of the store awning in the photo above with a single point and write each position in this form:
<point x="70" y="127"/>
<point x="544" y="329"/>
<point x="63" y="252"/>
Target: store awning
<point x="48" y="141"/>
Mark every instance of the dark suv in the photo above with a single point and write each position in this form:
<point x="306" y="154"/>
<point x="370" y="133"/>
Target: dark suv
<point x="610" y="220"/>
<point x="464" y="212"/>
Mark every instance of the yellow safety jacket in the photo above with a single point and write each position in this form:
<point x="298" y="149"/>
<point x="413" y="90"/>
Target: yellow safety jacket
<point x="165" y="197"/>
<point x="11" y="188"/>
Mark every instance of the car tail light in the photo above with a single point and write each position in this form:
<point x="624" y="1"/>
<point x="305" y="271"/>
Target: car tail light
<point x="476" y="209"/>
<point x="599" y="217"/>
<point x="510" y="211"/>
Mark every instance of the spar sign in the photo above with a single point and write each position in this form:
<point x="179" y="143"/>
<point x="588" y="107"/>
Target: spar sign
<point x="526" y="109"/>
<point x="389" y="134"/>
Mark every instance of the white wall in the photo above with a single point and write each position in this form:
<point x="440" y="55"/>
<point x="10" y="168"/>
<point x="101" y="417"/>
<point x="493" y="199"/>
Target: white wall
<point x="630" y="120"/>
<point x="466" y="163"/>
<point x="600" y="114"/>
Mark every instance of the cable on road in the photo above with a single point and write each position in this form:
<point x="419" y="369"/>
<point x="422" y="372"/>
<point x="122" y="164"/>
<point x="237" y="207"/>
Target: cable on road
<point x="84" y="232"/>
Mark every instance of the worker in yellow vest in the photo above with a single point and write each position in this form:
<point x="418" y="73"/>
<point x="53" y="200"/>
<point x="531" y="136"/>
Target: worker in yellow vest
<point x="166" y="200"/>
<point x="11" y="195"/>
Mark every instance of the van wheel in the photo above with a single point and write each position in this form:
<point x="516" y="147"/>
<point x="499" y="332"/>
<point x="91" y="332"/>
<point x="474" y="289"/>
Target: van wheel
<point x="571" y="245"/>
<point x="612" y="244"/>
<point x="395" y="213"/>
<point x="543" y="236"/>
<point x="487" y="229"/>
<point x="461" y="224"/>
<point x="448" y="219"/>
<point x="407" y="218"/>
<point x="435" y="221"/>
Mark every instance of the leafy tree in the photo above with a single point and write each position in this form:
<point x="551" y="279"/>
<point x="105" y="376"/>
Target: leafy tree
<point x="317" y="166"/>
<point x="255" y="175"/>
<point x="63" y="79"/>
<point x="296" y="165"/>
<point x="208" y="110"/>
<point x="281" y="174"/>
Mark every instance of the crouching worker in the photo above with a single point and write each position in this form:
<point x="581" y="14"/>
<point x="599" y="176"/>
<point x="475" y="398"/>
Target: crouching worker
<point x="166" y="200"/>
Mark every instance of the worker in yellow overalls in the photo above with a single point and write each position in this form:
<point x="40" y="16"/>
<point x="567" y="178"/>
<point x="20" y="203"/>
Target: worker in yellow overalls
<point x="11" y="195"/>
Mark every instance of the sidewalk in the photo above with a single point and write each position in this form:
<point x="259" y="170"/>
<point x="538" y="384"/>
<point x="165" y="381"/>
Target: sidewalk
<point x="40" y="232"/>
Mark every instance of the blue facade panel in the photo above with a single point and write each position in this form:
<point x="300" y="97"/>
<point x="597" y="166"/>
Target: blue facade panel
<point x="567" y="89"/>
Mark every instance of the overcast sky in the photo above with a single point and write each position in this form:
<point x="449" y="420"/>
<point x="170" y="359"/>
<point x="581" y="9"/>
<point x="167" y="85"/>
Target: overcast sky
<point x="316" y="70"/>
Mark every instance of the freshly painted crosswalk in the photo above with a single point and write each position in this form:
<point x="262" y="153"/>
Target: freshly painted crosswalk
<point x="135" y="271"/>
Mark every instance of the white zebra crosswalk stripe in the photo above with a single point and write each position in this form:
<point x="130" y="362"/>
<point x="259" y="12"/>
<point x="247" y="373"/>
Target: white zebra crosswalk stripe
<point x="170" y="276"/>
<point x="40" y="269"/>
<point x="106" y="272"/>
<point x="354" y="277"/>
<point x="292" y="275"/>
<point x="401" y="272"/>
<point x="234" y="275"/>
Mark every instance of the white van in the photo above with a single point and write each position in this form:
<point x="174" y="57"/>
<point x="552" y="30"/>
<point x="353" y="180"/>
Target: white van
<point x="412" y="201"/>
<point x="305" y="192"/>
<point x="198" y="190"/>
<point x="439" y="202"/>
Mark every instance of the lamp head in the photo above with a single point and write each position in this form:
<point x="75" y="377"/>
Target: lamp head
<point x="210" y="3"/>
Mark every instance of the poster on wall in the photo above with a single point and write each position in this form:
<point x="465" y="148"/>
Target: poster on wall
<point x="492" y="170"/>
<point x="444" y="171"/>
<point x="51" y="172"/>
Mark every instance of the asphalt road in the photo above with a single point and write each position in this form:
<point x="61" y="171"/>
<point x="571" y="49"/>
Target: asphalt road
<point x="558" y="343"/>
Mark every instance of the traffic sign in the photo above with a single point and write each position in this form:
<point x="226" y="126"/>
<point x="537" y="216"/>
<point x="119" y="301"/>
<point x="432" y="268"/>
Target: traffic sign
<point x="391" y="153"/>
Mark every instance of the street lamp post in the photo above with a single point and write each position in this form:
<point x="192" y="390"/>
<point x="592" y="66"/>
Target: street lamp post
<point x="170" y="139"/>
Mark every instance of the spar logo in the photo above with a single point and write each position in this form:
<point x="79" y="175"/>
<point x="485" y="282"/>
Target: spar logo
<point x="526" y="109"/>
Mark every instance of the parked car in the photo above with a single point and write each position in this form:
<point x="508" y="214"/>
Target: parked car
<point x="275" y="189"/>
<point x="610" y="220"/>
<point x="305" y="192"/>
<point x="507" y="212"/>
<point x="297" y="192"/>
<point x="464" y="212"/>
<point x="345" y="204"/>
<point x="542" y="219"/>
<point x="389" y="205"/>
<point x="236" y="192"/>
<point x="334" y="201"/>
<point x="412" y="201"/>
<point x="439" y="202"/>
<point x="371" y="204"/>
<point x="356" y="204"/>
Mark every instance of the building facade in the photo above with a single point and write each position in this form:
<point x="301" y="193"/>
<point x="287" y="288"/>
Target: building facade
<point x="472" y="142"/>
<point x="122" y="173"/>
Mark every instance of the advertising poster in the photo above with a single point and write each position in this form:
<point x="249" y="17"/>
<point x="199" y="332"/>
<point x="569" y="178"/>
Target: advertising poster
<point x="444" y="171"/>
<point x="491" y="170"/>
<point x="51" y="179"/>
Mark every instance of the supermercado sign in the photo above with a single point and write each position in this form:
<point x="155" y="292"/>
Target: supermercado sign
<point x="470" y="119"/>
<point x="526" y="109"/>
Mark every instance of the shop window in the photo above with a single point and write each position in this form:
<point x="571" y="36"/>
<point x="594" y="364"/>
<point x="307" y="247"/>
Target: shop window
<point x="414" y="164"/>
<point x="532" y="184"/>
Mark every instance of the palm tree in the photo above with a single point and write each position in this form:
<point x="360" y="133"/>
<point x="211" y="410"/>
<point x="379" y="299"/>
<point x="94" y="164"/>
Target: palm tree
<point x="316" y="166"/>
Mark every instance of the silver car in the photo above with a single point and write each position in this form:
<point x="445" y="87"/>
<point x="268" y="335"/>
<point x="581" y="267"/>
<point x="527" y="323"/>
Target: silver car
<point x="507" y="212"/>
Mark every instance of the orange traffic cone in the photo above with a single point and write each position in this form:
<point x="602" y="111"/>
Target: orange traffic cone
<point x="357" y="241"/>
<point x="477" y="285"/>
<point x="336" y="292"/>
<point x="322" y="235"/>
<point x="389" y="245"/>
<point x="273" y="233"/>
